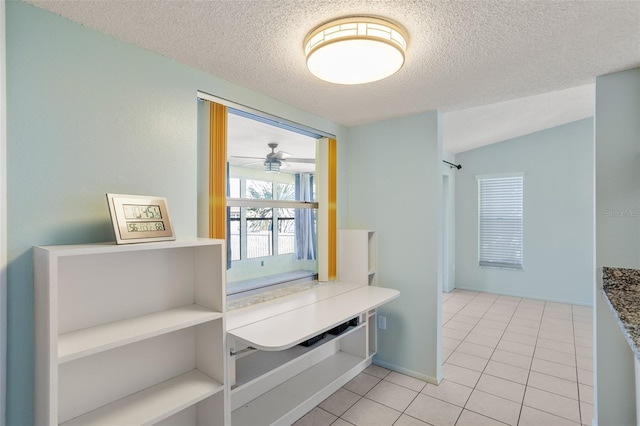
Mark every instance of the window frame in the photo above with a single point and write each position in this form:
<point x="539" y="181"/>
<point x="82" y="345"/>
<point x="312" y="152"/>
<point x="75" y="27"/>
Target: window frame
<point x="212" y="207"/>
<point x="274" y="205"/>
<point x="484" y="261"/>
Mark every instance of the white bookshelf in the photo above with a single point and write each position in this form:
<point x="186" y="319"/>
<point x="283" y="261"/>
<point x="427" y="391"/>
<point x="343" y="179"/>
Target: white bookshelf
<point x="153" y="404"/>
<point x="357" y="256"/>
<point x="143" y="324"/>
<point x="81" y="343"/>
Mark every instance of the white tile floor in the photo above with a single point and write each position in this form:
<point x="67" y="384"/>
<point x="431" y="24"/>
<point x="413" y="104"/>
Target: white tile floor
<point x="508" y="360"/>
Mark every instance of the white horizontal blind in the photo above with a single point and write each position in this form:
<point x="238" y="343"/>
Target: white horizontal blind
<point x="500" y="222"/>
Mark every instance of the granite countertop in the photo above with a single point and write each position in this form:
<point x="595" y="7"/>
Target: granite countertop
<point x="621" y="287"/>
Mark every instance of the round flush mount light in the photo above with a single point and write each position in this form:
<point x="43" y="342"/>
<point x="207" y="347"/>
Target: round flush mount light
<point x="355" y="50"/>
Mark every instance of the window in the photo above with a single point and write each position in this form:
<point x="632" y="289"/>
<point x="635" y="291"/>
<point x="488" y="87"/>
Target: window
<point x="500" y="221"/>
<point x="259" y="219"/>
<point x="282" y="234"/>
<point x="233" y="218"/>
<point x="285" y="219"/>
<point x="265" y="229"/>
<point x="273" y="240"/>
<point x="271" y="217"/>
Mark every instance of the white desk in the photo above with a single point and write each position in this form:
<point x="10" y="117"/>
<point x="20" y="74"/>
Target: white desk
<point x="279" y="326"/>
<point x="281" y="381"/>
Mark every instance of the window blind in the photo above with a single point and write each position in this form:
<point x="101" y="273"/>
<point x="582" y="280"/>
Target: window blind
<point x="500" y="221"/>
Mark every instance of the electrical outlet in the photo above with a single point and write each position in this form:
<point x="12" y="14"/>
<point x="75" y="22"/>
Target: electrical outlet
<point x="382" y="322"/>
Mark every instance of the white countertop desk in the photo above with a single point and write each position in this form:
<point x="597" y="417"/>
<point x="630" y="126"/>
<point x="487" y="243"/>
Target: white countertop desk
<point x="282" y="323"/>
<point x="281" y="381"/>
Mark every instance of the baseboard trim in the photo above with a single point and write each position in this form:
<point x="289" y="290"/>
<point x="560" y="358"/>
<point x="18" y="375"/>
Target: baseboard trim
<point x="406" y="371"/>
<point x="527" y="296"/>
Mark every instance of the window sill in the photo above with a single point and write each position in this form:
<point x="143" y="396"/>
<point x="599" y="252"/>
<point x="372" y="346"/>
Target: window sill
<point x="263" y="294"/>
<point x="262" y="283"/>
<point x="503" y="268"/>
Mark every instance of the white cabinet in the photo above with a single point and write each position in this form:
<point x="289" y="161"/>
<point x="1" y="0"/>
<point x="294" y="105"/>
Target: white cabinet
<point x="357" y="264"/>
<point x="274" y="380"/>
<point x="279" y="387"/>
<point x="357" y="256"/>
<point x="131" y="334"/>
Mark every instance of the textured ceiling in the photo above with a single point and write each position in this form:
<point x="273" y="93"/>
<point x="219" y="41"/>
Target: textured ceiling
<point x="461" y="54"/>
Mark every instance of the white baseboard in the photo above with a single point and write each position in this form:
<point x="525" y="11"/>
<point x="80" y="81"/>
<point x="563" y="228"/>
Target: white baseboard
<point x="406" y="371"/>
<point x="517" y="294"/>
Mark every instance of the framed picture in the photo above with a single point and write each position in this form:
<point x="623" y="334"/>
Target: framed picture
<point x="139" y="218"/>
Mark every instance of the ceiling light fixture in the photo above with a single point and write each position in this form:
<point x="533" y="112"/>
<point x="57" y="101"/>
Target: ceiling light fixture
<point x="272" y="165"/>
<point x="355" y="50"/>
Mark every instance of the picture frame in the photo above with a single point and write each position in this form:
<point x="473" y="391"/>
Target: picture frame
<point x="139" y="218"/>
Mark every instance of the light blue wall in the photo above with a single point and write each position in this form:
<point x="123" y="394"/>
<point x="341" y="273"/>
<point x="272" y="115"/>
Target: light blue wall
<point x="448" y="222"/>
<point x="558" y="214"/>
<point x="395" y="185"/>
<point x="617" y="159"/>
<point x="88" y="114"/>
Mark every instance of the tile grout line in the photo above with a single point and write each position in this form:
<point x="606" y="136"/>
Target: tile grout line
<point x="486" y="311"/>
<point x="532" y="357"/>
<point x="535" y="346"/>
<point x="485" y="367"/>
<point x="456" y="313"/>
<point x="465" y="403"/>
<point x="462" y="340"/>
<point x="577" y="381"/>
<point x="474" y="386"/>
<point x="377" y="402"/>
<point x="582" y="422"/>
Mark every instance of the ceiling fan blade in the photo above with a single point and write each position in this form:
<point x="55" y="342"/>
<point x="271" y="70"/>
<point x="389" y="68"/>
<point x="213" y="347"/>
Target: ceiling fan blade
<point x="251" y="158"/>
<point x="282" y="155"/>
<point x="251" y="163"/>
<point x="301" y="160"/>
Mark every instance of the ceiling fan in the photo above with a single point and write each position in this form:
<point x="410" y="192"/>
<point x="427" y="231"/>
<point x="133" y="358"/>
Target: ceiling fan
<point x="274" y="160"/>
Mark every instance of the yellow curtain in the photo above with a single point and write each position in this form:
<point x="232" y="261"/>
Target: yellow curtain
<point x="333" y="232"/>
<point x="217" y="170"/>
